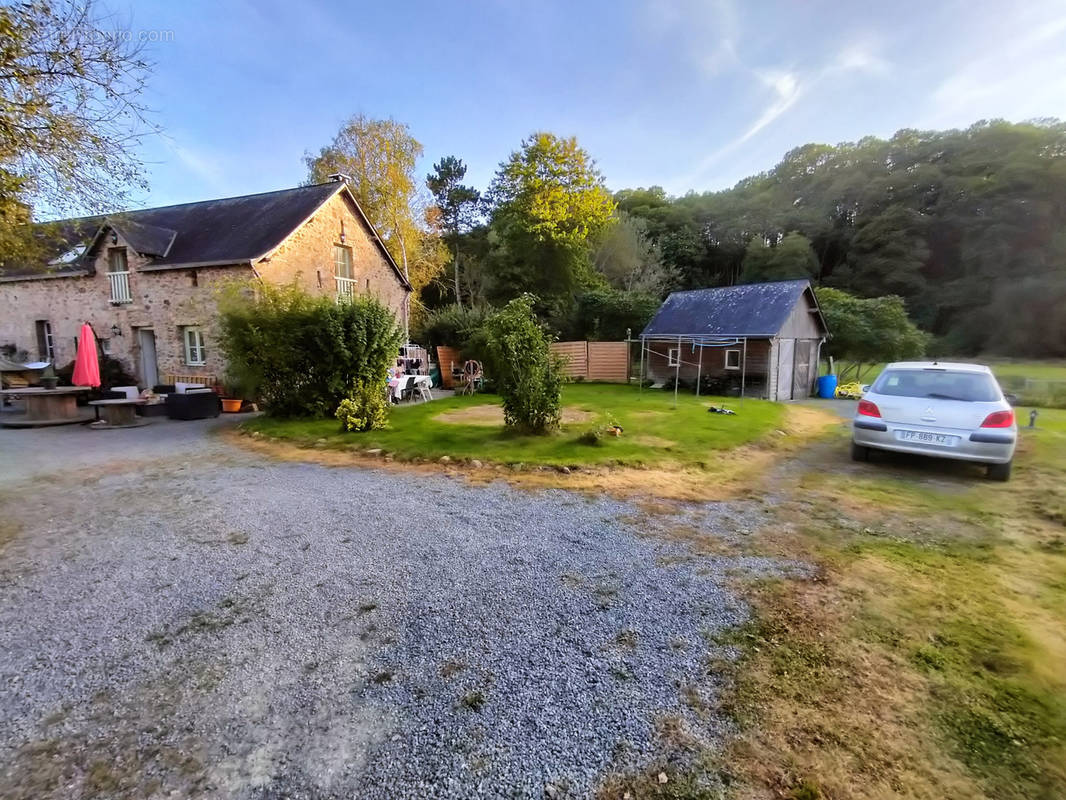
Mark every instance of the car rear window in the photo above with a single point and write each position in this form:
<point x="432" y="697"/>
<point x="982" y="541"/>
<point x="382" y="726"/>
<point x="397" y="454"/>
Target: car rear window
<point x="939" y="384"/>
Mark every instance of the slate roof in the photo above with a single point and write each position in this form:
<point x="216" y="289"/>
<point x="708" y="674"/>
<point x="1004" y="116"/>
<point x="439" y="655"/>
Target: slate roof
<point x="752" y="310"/>
<point x="232" y="230"/>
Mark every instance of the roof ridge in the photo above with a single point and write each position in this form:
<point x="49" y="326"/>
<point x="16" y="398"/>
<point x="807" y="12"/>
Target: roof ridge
<point x="109" y="214"/>
<point x="742" y="285"/>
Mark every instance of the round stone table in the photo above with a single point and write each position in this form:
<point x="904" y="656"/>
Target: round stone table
<point x="56" y="406"/>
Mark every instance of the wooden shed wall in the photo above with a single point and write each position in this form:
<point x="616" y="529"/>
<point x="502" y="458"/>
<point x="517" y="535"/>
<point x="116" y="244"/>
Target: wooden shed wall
<point x="802" y="323"/>
<point x="656" y="362"/>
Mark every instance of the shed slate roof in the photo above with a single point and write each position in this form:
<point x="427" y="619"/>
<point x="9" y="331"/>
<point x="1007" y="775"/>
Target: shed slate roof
<point x="231" y="230"/>
<point x="752" y="310"/>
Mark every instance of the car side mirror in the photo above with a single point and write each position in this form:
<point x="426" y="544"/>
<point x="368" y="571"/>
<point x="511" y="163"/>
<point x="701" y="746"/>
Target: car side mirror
<point x="866" y="388"/>
<point x="1011" y="398"/>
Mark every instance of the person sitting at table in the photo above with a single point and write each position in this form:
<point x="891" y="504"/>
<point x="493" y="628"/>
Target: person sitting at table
<point x="396" y="378"/>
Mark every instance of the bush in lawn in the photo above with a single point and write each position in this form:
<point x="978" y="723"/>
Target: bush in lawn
<point x="365" y="408"/>
<point x="525" y="372"/>
<point x="303" y="355"/>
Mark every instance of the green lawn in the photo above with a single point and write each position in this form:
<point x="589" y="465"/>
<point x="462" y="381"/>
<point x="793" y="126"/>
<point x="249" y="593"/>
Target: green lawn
<point x="464" y="428"/>
<point x="1003" y="368"/>
<point x="1012" y="375"/>
<point x="927" y="658"/>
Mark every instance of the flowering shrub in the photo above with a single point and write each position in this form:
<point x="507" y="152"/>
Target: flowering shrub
<point x="365" y="409"/>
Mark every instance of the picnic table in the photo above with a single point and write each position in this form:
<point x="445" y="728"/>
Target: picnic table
<point x="56" y="406"/>
<point x="119" y="412"/>
<point x="398" y="383"/>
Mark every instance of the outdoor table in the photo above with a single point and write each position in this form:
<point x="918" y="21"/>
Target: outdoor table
<point x="397" y="383"/>
<point x="46" y="406"/>
<point x="118" y="413"/>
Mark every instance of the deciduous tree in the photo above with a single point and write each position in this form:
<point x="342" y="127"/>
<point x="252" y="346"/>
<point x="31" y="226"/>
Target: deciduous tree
<point x="379" y="157"/>
<point x="71" y="113"/>
<point x="548" y="206"/>
<point x="791" y="257"/>
<point x="869" y="330"/>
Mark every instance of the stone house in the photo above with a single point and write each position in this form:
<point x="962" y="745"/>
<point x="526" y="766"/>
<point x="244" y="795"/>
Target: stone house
<point x="764" y="339"/>
<point x="147" y="281"/>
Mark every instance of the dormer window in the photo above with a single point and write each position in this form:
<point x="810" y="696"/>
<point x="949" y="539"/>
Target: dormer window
<point x="117" y="260"/>
<point x="118" y="275"/>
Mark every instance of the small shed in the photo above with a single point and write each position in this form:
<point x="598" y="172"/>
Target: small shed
<point x="761" y="339"/>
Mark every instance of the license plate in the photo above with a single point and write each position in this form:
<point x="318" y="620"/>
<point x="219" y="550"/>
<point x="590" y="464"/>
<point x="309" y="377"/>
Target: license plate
<point x="925" y="437"/>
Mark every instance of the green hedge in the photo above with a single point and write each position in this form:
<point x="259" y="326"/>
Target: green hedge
<point x="302" y="355"/>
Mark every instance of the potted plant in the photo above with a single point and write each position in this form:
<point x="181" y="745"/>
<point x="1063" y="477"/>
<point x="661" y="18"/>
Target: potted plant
<point x="232" y="396"/>
<point x="49" y="379"/>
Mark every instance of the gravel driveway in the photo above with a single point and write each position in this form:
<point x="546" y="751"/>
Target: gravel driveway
<point x="180" y="618"/>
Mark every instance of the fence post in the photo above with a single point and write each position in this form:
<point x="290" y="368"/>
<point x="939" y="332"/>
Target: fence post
<point x="677" y="373"/>
<point x="743" y="367"/>
<point x="699" y="370"/>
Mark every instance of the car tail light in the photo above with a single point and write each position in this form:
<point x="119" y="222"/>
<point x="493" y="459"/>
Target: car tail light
<point x="999" y="419"/>
<point x="868" y="409"/>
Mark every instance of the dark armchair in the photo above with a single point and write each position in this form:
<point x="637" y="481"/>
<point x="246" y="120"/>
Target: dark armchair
<point x="193" y="405"/>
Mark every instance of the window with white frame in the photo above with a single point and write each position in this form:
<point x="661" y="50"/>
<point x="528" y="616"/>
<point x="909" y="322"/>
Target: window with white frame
<point x="732" y="359"/>
<point x="342" y="261"/>
<point x="673" y="357"/>
<point x="117" y="260"/>
<point x="195" y="354"/>
<point x="46" y="348"/>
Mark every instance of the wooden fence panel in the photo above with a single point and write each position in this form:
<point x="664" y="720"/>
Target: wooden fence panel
<point x="595" y="361"/>
<point x="447" y="357"/>
<point x="608" y="361"/>
<point x="576" y="355"/>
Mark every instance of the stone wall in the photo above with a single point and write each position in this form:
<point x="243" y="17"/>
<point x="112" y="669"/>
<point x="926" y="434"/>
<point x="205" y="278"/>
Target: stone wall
<point x="166" y="301"/>
<point x="307" y="256"/>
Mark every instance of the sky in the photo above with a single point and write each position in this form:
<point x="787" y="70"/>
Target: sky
<point x="691" y="95"/>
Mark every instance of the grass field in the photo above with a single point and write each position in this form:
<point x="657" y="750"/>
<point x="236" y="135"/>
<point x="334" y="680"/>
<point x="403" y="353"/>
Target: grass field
<point x="928" y="658"/>
<point x="472" y="428"/>
<point x="1035" y="383"/>
<point x="1034" y="370"/>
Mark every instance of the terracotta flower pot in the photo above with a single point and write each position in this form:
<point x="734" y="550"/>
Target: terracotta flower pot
<point x="231" y="405"/>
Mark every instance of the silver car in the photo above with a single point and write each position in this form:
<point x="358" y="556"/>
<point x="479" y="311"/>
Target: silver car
<point x="937" y="409"/>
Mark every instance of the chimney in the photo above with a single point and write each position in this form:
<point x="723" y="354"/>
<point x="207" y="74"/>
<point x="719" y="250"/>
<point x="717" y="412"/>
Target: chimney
<point x="340" y="176"/>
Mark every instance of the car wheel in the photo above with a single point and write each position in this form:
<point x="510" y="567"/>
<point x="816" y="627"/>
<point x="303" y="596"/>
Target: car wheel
<point x="999" y="472"/>
<point x="859" y="452"/>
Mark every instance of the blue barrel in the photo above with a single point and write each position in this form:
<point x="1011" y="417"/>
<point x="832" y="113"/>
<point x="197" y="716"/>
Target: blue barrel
<point x="827" y="386"/>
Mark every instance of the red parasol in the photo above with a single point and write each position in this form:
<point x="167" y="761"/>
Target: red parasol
<point x="87" y="365"/>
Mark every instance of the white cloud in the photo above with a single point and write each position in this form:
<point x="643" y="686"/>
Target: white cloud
<point x="1019" y="75"/>
<point x="860" y="57"/>
<point x="786" y="89"/>
<point x="704" y="31"/>
<point x="204" y="165"/>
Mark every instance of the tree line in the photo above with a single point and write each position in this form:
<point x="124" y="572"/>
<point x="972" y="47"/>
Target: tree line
<point x="966" y="227"/>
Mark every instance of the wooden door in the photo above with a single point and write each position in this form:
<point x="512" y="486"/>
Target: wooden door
<point x="801" y="372"/>
<point x="149" y="365"/>
<point x="785" y="358"/>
